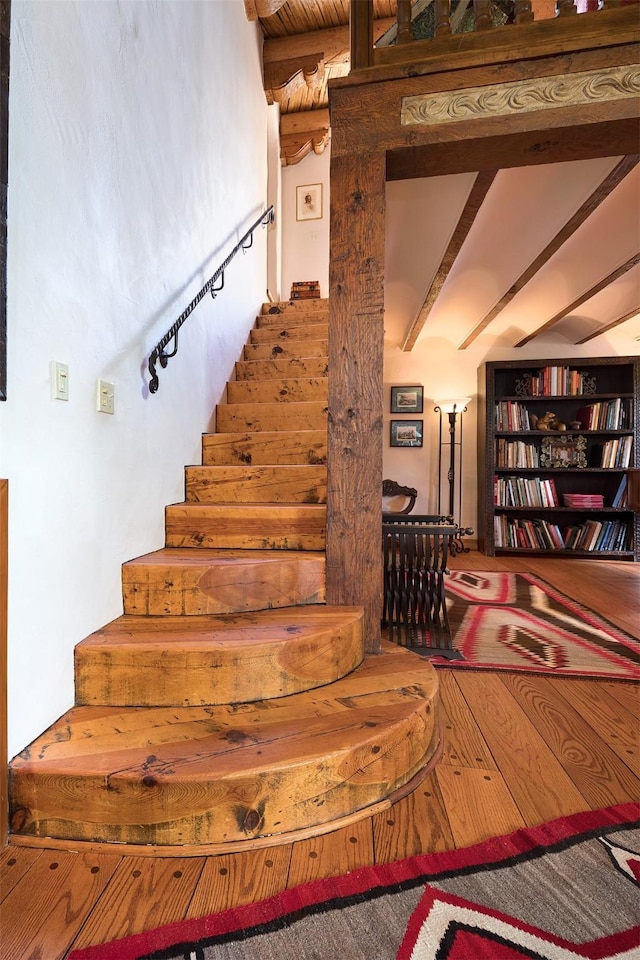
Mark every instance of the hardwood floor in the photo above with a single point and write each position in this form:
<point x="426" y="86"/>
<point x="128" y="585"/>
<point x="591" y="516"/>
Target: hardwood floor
<point x="519" y="750"/>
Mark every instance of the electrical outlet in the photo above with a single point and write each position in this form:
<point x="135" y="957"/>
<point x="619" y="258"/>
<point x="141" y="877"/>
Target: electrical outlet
<point x="105" y="397"/>
<point x="59" y="373"/>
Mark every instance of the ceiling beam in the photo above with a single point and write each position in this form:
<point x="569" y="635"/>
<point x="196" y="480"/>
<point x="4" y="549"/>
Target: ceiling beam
<point x="302" y="132"/>
<point x="611" y="325"/>
<point x="608" y="280"/>
<point x="283" y="78"/>
<point x="262" y="8"/>
<point x="475" y="200"/>
<point x="334" y="43"/>
<point x="602" y="191"/>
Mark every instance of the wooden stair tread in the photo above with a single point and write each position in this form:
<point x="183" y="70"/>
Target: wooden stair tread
<point x="223" y="774"/>
<point x="186" y="661"/>
<point x="275" y="369"/>
<point x="285" y="332"/>
<point x="267" y="526"/>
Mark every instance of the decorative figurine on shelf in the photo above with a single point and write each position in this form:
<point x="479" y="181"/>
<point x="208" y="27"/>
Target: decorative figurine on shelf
<point x="550" y="421"/>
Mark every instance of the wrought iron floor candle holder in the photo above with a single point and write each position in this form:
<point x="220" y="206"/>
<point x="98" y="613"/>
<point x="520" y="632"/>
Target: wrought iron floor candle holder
<point x="452" y="409"/>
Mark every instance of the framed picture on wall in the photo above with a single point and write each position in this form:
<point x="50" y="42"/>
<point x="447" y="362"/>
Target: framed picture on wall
<point x="407" y="399"/>
<point x="406" y="433"/>
<point x="309" y="202"/>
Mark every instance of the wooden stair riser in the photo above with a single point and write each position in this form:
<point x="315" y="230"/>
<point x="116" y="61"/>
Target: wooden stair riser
<point x="291" y="368"/>
<point x="266" y="447"/>
<point x="154" y="661"/>
<point x="277" y="391"/>
<point x="293" y="349"/>
<point x="226" y="775"/>
<point x="279" y="484"/>
<point x="246" y="527"/>
<point x="244" y="417"/>
<point x="183" y="582"/>
<point x="285" y="334"/>
<point x="316" y="307"/>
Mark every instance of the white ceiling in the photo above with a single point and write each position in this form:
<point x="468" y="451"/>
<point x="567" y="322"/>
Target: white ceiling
<point x="523" y="211"/>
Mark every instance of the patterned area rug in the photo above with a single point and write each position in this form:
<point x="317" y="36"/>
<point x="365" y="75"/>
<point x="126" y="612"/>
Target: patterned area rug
<point x="562" y="891"/>
<point x="517" y="621"/>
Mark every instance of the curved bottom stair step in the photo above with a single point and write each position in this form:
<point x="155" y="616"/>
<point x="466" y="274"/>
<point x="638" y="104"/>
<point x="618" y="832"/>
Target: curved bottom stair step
<point x="181" y="581"/>
<point x="221" y="778"/>
<point x="195" y="661"/>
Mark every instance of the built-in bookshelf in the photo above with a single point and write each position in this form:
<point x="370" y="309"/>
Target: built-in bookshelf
<point x="556" y="442"/>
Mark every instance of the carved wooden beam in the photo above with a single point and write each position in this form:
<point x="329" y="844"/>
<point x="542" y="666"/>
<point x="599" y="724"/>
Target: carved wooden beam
<point x="283" y="78"/>
<point x="475" y="200"/>
<point x="592" y="202"/>
<point x="300" y="133"/>
<point x="607" y="281"/>
<point x="262" y="8"/>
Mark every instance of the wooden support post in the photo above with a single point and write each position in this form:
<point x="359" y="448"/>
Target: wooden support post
<point x="356" y="347"/>
<point x="361" y="33"/>
<point x="522" y="11"/>
<point x="482" y="15"/>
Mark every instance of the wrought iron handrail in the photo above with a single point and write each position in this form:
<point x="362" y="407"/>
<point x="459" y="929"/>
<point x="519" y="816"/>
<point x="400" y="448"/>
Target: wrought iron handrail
<point x="159" y="353"/>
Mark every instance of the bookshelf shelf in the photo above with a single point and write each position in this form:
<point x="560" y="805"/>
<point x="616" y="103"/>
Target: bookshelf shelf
<point x="560" y="491"/>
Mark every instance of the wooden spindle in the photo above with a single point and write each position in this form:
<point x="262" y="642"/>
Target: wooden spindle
<point x="566" y="8"/>
<point x="361" y="33"/>
<point x="405" y="30"/>
<point x="522" y="12"/>
<point x="482" y="15"/>
<point x="443" y="15"/>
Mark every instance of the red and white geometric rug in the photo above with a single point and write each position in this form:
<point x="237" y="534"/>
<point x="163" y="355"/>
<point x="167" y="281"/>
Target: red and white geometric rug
<point x="517" y="621"/>
<point x="562" y="891"/>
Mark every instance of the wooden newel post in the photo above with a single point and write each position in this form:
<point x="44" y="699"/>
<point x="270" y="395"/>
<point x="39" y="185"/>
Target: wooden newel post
<point x="405" y="31"/>
<point x="443" y="15"/>
<point x="361" y="33"/>
<point x="566" y="8"/>
<point x="522" y="12"/>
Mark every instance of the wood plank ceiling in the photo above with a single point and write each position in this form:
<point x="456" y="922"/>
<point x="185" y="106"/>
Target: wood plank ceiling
<point x="580" y="263"/>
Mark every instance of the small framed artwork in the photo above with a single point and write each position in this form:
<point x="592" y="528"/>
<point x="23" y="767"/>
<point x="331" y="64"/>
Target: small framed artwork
<point x="406" y="433"/>
<point x="309" y="202"/>
<point x="563" y="451"/>
<point x="407" y="399"/>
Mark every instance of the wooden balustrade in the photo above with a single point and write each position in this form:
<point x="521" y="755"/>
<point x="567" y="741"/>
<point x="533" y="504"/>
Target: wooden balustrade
<point x="524" y="11"/>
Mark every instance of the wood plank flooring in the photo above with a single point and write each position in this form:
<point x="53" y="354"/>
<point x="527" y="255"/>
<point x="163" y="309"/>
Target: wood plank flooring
<point x="519" y="750"/>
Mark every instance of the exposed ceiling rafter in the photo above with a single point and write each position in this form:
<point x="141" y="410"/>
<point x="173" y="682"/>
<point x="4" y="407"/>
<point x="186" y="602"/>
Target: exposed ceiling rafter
<point x="611" y="325"/>
<point x="611" y="278"/>
<point x="602" y="191"/>
<point x="476" y="197"/>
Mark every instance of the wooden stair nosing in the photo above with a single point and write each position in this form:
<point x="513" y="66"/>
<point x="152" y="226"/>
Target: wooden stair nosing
<point x="294" y="307"/>
<point x="196" y="661"/>
<point x="300" y="349"/>
<point x="182" y="581"/>
<point x="265" y="448"/>
<point x="222" y="775"/>
<point x="246" y="526"/>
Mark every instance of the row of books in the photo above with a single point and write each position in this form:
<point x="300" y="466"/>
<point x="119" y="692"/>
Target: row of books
<point x="516" y="453"/>
<point x="525" y="492"/>
<point x="511" y="415"/>
<point x="539" y="534"/>
<point x="559" y="381"/>
<point x="583" y="501"/>
<point x="617" y="453"/>
<point x="606" y="415"/>
<point x="305" y="290"/>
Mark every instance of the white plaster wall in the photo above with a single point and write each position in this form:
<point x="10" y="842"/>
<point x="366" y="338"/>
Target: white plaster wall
<point x="138" y="157"/>
<point x="305" y="248"/>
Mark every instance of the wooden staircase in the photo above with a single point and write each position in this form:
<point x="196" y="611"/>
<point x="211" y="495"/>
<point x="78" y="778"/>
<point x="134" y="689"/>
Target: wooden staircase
<point x="229" y="706"/>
